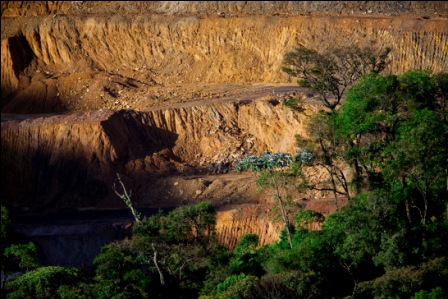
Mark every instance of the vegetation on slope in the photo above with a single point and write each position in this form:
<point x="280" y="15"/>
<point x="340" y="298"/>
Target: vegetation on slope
<point x="388" y="241"/>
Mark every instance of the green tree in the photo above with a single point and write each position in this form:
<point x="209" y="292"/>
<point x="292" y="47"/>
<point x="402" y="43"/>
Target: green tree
<point x="169" y="255"/>
<point x="417" y="159"/>
<point x="395" y="134"/>
<point x="17" y="255"/>
<point x="192" y="223"/>
<point x="246" y="258"/>
<point x="25" y="254"/>
<point x="306" y="218"/>
<point x="329" y="74"/>
<point x="325" y="148"/>
<point x="380" y="107"/>
<point x="392" y="131"/>
<point x="406" y="281"/>
<point x="275" y="174"/>
<point x="238" y="287"/>
<point x="366" y="123"/>
<point x="43" y="282"/>
<point x="121" y="272"/>
<point x="435" y="293"/>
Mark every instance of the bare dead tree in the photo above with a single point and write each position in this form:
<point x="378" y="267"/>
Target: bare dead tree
<point x="126" y="197"/>
<point x="162" y="279"/>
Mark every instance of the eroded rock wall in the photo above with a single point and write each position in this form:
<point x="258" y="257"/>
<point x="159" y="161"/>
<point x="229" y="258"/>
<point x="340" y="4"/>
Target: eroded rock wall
<point x="236" y="221"/>
<point x="248" y="49"/>
<point x="173" y="49"/>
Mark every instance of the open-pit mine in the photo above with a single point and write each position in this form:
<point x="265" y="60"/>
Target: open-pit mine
<point x="170" y="95"/>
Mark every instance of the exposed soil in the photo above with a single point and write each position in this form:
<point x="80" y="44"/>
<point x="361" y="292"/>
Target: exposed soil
<point x="172" y="94"/>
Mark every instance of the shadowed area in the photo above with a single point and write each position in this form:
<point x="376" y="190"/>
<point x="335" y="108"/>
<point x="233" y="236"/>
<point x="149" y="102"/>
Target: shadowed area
<point x="71" y="161"/>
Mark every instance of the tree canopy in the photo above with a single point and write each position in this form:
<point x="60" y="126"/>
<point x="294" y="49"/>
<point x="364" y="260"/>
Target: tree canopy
<point x="330" y="73"/>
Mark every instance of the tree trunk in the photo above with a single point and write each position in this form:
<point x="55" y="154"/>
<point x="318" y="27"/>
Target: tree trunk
<point x="126" y="197"/>
<point x="162" y="280"/>
<point x="334" y="189"/>
<point x="285" y="217"/>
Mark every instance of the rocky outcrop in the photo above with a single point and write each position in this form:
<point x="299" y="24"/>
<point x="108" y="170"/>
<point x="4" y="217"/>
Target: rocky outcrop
<point x="231" y="130"/>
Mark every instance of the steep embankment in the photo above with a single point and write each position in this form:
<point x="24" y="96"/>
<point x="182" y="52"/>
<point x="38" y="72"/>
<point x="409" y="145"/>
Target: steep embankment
<point x="153" y="49"/>
<point x="70" y="161"/>
<point x="67" y="159"/>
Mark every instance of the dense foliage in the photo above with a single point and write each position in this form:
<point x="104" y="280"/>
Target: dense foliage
<point x="389" y="241"/>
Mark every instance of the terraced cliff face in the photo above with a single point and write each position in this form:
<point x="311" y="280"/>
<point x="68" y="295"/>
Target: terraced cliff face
<point x="70" y="161"/>
<point x="90" y="148"/>
<point x="165" y="49"/>
<point x="190" y="76"/>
